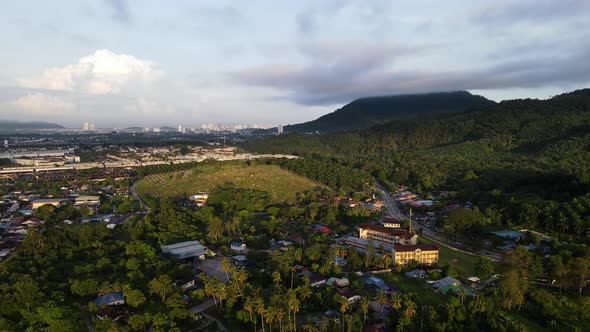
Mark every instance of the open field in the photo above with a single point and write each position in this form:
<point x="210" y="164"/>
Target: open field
<point x="281" y="184"/>
<point x="463" y="263"/>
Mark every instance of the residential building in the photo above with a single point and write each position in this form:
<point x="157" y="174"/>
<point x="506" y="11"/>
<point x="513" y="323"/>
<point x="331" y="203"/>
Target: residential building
<point x="114" y="298"/>
<point x="447" y="283"/>
<point x="424" y="254"/>
<point x="338" y="282"/>
<point x="183" y="250"/>
<point x="350" y="296"/>
<point x="240" y="261"/>
<point x="89" y="201"/>
<point x="200" y="198"/>
<point x="392" y="222"/>
<point x="387" y="235"/>
<point x="237" y="246"/>
<point x="57" y="202"/>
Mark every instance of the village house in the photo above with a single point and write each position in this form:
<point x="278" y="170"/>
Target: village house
<point x="338" y="282"/>
<point x="200" y="198"/>
<point x="240" y="261"/>
<point x="185" y="250"/>
<point x="92" y="202"/>
<point x="350" y="296"/>
<point x="113" y="298"/>
<point x="57" y="202"/>
<point x="237" y="246"/>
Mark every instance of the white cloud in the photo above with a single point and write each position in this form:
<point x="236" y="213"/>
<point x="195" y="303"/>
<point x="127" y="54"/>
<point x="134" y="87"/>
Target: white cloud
<point x="42" y="104"/>
<point x="103" y="72"/>
<point x="146" y="106"/>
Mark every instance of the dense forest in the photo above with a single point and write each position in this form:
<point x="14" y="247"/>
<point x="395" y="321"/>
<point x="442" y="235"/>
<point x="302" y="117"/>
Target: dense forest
<point x="514" y="154"/>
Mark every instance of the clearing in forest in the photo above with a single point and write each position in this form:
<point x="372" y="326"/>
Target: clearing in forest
<point x="280" y="183"/>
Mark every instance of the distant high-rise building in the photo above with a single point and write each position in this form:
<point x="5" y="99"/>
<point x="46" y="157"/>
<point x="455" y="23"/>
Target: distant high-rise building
<point x="156" y="130"/>
<point x="179" y="128"/>
<point x="88" y="126"/>
<point x="280" y="129"/>
<point x="6" y="143"/>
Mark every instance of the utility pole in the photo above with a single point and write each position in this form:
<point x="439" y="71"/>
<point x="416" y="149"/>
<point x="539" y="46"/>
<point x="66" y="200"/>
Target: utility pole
<point x="410" y="220"/>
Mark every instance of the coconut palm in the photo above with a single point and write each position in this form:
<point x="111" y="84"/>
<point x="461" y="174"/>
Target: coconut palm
<point x="294" y="306"/>
<point x="381" y="299"/>
<point x="343" y="307"/>
<point x="270" y="316"/>
<point x="396" y="301"/>
<point x="249" y="307"/>
<point x="261" y="310"/>
<point x="276" y="278"/>
<point x="225" y="266"/>
<point x="410" y="308"/>
<point x="280" y="314"/>
<point x="364" y="306"/>
<point x="461" y="295"/>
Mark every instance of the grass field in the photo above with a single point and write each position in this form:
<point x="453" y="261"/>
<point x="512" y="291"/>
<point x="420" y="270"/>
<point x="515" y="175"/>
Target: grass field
<point x="281" y="184"/>
<point x="463" y="263"/>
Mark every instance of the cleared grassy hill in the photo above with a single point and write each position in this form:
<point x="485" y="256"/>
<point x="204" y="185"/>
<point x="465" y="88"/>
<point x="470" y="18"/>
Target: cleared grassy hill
<point x="280" y="183"/>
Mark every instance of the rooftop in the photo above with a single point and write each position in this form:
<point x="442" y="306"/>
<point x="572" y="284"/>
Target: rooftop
<point x="388" y="230"/>
<point x="414" y="247"/>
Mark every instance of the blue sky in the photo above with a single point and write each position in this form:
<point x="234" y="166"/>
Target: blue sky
<point x="150" y="63"/>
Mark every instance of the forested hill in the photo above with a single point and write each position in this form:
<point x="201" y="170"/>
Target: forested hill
<point x="367" y="112"/>
<point x="528" y="160"/>
<point x="15" y="126"/>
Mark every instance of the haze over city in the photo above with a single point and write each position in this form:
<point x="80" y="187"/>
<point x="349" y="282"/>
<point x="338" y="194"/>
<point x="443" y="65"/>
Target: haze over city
<point x="121" y="63"/>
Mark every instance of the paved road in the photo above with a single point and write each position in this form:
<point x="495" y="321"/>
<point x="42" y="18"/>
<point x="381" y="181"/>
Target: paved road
<point x="200" y="309"/>
<point x="428" y="233"/>
<point x="134" y="193"/>
<point x="392" y="208"/>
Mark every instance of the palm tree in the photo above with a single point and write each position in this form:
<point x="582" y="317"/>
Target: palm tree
<point x="310" y="327"/>
<point x="410" y="309"/>
<point x="292" y="268"/>
<point x="305" y="290"/>
<point x="279" y="313"/>
<point x="396" y="301"/>
<point x="261" y="310"/>
<point x="294" y="306"/>
<point x="461" y="295"/>
<point x="221" y="293"/>
<point x="364" y="306"/>
<point x="240" y="276"/>
<point x="225" y="266"/>
<point x="270" y="315"/>
<point x="249" y="307"/>
<point x="343" y="307"/>
<point x="276" y="278"/>
<point x="348" y="320"/>
<point x="381" y="299"/>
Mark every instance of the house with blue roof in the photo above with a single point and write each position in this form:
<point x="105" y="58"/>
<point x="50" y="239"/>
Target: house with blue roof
<point x="237" y="246"/>
<point x="114" y="298"/>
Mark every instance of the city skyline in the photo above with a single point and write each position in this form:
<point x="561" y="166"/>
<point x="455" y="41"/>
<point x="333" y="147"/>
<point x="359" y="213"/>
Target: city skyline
<point x="146" y="63"/>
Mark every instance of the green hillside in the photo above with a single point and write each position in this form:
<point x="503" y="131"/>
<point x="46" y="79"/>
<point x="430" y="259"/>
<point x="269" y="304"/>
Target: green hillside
<point x="281" y="184"/>
<point x="522" y="157"/>
<point x="16" y="126"/>
<point x="367" y="112"/>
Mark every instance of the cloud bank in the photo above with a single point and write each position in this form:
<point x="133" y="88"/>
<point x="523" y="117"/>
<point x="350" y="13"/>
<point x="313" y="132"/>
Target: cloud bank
<point x="103" y="72"/>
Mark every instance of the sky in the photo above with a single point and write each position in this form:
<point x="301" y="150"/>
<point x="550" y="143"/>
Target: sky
<point x="121" y="63"/>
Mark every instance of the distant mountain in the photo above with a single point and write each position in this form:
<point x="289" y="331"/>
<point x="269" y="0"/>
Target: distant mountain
<point x="17" y="126"/>
<point x="367" y="112"/>
<point x="168" y="129"/>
